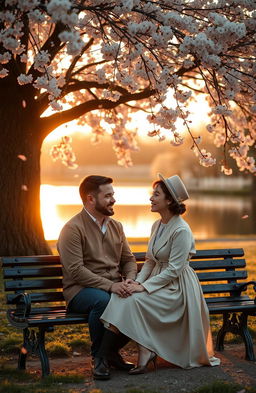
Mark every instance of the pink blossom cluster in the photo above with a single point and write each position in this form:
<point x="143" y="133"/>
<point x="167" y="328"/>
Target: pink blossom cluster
<point x="97" y="55"/>
<point x="123" y="143"/>
<point x="63" y="151"/>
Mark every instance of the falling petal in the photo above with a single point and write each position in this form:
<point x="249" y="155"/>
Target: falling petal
<point x="76" y="353"/>
<point x="24" y="103"/>
<point x="245" y="216"/>
<point x="24" y="187"/>
<point x="22" y="157"/>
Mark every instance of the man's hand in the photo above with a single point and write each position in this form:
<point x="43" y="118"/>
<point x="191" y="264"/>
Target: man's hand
<point x="121" y="289"/>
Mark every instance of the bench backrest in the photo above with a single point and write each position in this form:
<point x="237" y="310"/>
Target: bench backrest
<point x="218" y="270"/>
<point x="41" y="276"/>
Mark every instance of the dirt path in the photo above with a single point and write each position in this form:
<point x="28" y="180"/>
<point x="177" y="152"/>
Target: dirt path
<point x="166" y="379"/>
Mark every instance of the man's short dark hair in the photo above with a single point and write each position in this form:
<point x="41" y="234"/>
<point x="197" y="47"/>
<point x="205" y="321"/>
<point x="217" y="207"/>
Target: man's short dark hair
<point x="91" y="184"/>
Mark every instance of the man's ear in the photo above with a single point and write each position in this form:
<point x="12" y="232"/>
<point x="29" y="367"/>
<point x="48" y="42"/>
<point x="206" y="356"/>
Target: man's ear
<point x="90" y="198"/>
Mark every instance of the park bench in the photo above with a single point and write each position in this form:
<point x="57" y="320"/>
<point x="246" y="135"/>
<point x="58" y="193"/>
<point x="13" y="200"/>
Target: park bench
<point x="34" y="285"/>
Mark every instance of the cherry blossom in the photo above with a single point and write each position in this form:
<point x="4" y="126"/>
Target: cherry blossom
<point x="63" y="151"/>
<point x="24" y="79"/>
<point x="22" y="157"/>
<point x="83" y="59"/>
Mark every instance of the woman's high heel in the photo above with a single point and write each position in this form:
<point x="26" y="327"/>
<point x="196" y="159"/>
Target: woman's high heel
<point x="145" y="357"/>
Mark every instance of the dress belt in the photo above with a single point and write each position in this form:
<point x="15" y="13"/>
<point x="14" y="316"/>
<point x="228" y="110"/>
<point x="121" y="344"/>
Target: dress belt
<point x="162" y="263"/>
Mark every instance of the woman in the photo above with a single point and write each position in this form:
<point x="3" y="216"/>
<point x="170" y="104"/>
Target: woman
<point x="166" y="313"/>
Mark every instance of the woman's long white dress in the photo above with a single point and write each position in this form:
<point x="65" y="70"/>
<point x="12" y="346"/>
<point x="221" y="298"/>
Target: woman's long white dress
<point x="171" y="317"/>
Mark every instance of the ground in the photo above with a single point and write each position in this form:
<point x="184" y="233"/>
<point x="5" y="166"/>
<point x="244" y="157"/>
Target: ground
<point x="167" y="378"/>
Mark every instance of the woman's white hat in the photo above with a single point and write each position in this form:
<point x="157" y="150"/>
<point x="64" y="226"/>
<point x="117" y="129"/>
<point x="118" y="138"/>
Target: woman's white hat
<point x="176" y="187"/>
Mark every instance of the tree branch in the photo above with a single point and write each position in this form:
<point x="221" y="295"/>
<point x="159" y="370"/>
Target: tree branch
<point x="76" y="58"/>
<point x="48" y="124"/>
<point x="52" y="45"/>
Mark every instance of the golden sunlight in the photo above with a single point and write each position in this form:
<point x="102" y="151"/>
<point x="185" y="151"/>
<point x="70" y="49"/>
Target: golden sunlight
<point x="199" y="109"/>
<point x="67" y="129"/>
<point x="53" y="197"/>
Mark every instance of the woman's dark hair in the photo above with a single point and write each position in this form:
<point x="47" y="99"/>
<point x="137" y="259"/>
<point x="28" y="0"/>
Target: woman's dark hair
<point x="91" y="184"/>
<point x="174" y="207"/>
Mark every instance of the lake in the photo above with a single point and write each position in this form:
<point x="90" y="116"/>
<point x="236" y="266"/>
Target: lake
<point x="208" y="216"/>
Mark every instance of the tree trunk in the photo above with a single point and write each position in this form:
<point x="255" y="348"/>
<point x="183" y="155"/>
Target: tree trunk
<point x="21" y="231"/>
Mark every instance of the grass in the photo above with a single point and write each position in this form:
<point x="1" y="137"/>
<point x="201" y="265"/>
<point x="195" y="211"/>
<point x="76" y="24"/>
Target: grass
<point x="65" y="384"/>
<point x="16" y="381"/>
<point x="224" y="387"/>
<point x="57" y="349"/>
<point x="63" y="341"/>
<point x="11" y="343"/>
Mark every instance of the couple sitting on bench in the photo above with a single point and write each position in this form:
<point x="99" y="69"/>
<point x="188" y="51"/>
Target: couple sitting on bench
<point x="161" y="308"/>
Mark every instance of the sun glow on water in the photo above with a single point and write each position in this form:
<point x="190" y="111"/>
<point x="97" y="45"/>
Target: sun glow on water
<point x="225" y="215"/>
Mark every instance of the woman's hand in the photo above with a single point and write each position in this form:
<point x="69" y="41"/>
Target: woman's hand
<point x="136" y="287"/>
<point x="130" y="281"/>
<point x="121" y="289"/>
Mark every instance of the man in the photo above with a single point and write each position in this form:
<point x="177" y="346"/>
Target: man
<point x="96" y="261"/>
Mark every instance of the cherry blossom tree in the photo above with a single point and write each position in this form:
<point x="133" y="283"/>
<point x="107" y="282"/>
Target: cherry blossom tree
<point x="99" y="61"/>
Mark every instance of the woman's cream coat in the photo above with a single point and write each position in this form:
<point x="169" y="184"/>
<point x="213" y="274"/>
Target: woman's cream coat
<point x="171" y="317"/>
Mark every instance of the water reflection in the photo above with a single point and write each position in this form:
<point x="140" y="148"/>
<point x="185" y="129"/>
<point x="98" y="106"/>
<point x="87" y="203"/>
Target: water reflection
<point x="209" y="217"/>
<point x="216" y="216"/>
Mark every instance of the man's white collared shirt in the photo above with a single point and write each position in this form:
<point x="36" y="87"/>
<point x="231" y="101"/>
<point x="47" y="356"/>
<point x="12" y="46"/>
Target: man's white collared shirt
<point x="104" y="226"/>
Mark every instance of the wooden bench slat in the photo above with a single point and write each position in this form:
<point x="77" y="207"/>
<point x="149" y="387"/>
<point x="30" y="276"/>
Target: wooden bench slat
<point x="40" y="297"/>
<point x="58" y="322"/>
<point x="215" y="264"/>
<point x="31" y="260"/>
<point x="51" y="319"/>
<point x="52" y="259"/>
<point x="35" y="272"/>
<point x="218" y="288"/>
<point x="56" y="271"/>
<point x="222" y="276"/>
<point x="42" y="310"/>
<point x="241" y="303"/>
<point x="33" y="284"/>
<point x="219" y="253"/>
<point x="215" y="308"/>
<point x="222" y="299"/>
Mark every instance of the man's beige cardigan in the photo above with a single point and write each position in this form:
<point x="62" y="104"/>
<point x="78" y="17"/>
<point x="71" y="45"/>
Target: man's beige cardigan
<point x="91" y="258"/>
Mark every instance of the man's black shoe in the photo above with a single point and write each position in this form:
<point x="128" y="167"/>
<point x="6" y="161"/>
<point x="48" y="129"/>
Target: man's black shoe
<point x="115" y="360"/>
<point x="101" y="369"/>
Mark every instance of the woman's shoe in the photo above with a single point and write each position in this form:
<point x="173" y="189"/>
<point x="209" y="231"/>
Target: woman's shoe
<point x="145" y="357"/>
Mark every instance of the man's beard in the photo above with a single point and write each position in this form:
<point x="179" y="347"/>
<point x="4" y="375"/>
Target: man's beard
<point x="102" y="209"/>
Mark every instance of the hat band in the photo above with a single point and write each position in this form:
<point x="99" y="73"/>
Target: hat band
<point x="173" y="192"/>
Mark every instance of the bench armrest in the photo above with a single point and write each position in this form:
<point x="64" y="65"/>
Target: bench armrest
<point x="23" y="303"/>
<point x="243" y="287"/>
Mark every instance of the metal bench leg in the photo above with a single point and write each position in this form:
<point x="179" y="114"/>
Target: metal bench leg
<point x="34" y="342"/>
<point x="246" y="336"/>
<point x="219" y="346"/>
<point x="42" y="353"/>
<point x="24" y="350"/>
<point x="236" y="324"/>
